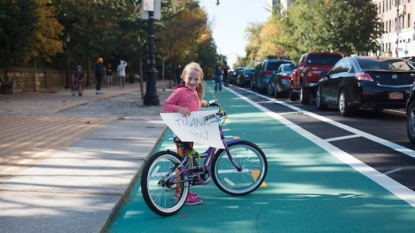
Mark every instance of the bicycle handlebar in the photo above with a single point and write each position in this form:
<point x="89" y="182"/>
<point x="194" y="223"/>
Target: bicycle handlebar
<point x="221" y="112"/>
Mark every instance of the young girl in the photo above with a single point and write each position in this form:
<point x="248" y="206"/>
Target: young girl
<point x="186" y="99"/>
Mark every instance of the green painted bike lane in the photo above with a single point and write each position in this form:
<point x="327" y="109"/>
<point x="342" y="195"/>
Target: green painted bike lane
<point x="307" y="189"/>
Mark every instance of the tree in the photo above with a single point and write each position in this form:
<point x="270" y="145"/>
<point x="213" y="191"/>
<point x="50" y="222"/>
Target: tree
<point x="28" y="28"/>
<point x="253" y="35"/>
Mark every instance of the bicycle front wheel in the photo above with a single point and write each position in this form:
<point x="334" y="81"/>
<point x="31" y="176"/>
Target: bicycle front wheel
<point x="254" y="168"/>
<point x="161" y="196"/>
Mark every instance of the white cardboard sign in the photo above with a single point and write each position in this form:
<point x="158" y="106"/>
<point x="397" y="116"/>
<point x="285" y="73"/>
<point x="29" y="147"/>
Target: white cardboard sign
<point x="201" y="127"/>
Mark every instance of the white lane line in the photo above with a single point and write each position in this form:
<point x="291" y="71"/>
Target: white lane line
<point x="392" y="171"/>
<point x="388" y="183"/>
<point x="341" y="138"/>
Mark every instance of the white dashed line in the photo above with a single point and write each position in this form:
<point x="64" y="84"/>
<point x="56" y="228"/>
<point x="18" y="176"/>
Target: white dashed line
<point x="383" y="180"/>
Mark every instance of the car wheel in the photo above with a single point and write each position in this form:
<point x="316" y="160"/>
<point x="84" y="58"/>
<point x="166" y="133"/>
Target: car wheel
<point x="319" y="100"/>
<point x="293" y="96"/>
<point x="258" y="87"/>
<point x="344" y="109"/>
<point x="410" y="122"/>
<point x="305" y="96"/>
<point x="270" y="90"/>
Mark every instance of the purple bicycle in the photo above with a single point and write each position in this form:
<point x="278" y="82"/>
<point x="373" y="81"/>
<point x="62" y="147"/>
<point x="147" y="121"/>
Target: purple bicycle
<point x="239" y="169"/>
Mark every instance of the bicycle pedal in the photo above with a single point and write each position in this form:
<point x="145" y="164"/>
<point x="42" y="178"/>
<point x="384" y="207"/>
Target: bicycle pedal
<point x="195" y="182"/>
<point x="199" y="169"/>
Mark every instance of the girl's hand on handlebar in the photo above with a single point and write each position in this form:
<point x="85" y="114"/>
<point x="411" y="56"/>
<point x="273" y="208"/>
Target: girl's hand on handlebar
<point x="205" y="104"/>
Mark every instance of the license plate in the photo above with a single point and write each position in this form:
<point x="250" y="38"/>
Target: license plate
<point x="396" y="95"/>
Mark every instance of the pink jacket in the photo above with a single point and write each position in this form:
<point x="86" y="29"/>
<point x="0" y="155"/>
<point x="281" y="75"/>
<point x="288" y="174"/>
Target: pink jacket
<point x="182" y="97"/>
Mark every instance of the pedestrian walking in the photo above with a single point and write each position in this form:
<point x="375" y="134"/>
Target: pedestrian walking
<point x="108" y="72"/>
<point x="218" y="78"/>
<point x="121" y="73"/>
<point x="99" y="75"/>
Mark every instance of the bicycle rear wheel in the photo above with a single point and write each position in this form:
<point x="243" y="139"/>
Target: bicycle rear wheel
<point x="254" y="168"/>
<point x="73" y="89"/>
<point x="162" y="197"/>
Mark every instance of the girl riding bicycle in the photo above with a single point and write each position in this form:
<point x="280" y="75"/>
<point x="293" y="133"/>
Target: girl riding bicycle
<point x="79" y="75"/>
<point x="186" y="99"/>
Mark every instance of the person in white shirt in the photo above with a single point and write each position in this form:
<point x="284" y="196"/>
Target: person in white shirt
<point x="121" y="73"/>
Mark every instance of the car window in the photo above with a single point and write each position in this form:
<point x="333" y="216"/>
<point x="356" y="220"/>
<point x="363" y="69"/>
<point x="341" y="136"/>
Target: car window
<point x="384" y="65"/>
<point x="275" y="65"/>
<point x="286" y="68"/>
<point x="301" y="62"/>
<point x="337" y="68"/>
<point x="248" y="71"/>
<point x="323" y="59"/>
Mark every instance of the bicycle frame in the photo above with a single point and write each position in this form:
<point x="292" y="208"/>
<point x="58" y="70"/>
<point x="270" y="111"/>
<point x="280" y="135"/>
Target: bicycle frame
<point x="196" y="171"/>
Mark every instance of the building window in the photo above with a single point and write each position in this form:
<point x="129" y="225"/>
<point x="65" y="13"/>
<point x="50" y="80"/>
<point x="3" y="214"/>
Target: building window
<point x="409" y="20"/>
<point x="390" y="25"/>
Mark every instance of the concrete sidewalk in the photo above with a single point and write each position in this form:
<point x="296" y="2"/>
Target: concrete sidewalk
<point x="79" y="188"/>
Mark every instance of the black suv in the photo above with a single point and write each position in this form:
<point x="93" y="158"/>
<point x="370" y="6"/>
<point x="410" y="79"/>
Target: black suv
<point x="265" y="72"/>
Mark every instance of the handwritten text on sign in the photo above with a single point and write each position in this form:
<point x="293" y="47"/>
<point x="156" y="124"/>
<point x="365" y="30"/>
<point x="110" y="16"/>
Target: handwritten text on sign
<point x="201" y="127"/>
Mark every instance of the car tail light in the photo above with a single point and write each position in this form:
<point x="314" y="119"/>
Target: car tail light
<point x="285" y="76"/>
<point x="363" y="77"/>
<point x="309" y="73"/>
<point x="266" y="72"/>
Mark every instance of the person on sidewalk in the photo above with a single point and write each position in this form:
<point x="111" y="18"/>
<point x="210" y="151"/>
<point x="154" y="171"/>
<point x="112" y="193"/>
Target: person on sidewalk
<point x="121" y="73"/>
<point x="218" y="78"/>
<point x="108" y="72"/>
<point x="99" y="75"/>
<point x="185" y="99"/>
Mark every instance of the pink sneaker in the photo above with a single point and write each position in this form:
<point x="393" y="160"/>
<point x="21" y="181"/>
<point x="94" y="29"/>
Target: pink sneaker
<point x="193" y="200"/>
<point x="190" y="194"/>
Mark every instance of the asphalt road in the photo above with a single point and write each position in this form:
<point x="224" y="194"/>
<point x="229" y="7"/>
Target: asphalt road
<point x="376" y="138"/>
<point x="325" y="175"/>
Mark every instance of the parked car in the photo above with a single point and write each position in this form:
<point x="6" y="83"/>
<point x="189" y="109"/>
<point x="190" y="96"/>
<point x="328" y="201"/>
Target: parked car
<point x="235" y="73"/>
<point x="307" y="74"/>
<point x="410" y="115"/>
<point x="265" y="72"/>
<point x="280" y="81"/>
<point x="365" y="82"/>
<point x="255" y="75"/>
<point x="245" y="77"/>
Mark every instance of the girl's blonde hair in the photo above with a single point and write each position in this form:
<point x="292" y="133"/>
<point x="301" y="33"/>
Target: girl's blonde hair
<point x="195" y="66"/>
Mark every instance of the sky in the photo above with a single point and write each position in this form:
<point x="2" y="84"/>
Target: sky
<point x="229" y="21"/>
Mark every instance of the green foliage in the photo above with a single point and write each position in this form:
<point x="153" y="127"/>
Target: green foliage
<point x="321" y="25"/>
<point x="27" y="28"/>
<point x="111" y="29"/>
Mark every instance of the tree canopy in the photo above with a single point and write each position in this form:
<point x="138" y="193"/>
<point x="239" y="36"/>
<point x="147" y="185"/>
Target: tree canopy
<point x="111" y="29"/>
<point x="349" y="27"/>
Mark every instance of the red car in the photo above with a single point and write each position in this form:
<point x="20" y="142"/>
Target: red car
<point x="305" y="77"/>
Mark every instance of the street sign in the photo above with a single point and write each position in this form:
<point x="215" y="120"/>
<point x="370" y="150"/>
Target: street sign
<point x="155" y="5"/>
<point x="148" y="5"/>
